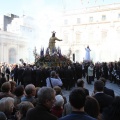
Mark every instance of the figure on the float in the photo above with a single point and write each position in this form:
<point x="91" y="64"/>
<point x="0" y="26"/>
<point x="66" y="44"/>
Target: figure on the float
<point x="52" y="42"/>
<point x="87" y="54"/>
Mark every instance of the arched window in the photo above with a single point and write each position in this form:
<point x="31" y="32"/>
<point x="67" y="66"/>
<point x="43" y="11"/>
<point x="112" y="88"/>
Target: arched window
<point x="12" y="55"/>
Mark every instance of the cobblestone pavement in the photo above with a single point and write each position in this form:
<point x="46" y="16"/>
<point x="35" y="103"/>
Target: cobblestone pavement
<point x="113" y="86"/>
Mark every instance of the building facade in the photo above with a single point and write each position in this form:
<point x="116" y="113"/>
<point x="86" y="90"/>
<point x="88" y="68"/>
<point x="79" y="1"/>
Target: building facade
<point x="18" y="37"/>
<point x="25" y="26"/>
<point x="98" y="27"/>
<point x="12" y="47"/>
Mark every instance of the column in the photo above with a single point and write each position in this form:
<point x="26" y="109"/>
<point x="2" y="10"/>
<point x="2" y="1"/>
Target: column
<point x="5" y="55"/>
<point x="2" y="52"/>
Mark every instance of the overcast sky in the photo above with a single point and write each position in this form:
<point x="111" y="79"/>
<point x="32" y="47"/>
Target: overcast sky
<point x="35" y="7"/>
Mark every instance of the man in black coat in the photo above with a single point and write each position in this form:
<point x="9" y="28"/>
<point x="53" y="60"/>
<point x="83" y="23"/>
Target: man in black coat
<point x="107" y="91"/>
<point x="15" y="72"/>
<point x="80" y="83"/>
<point x="20" y="73"/>
<point x="68" y="78"/>
<point x="46" y="99"/>
<point x="103" y="99"/>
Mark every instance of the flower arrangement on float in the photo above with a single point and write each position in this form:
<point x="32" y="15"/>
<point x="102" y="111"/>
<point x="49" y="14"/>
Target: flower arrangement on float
<point x="55" y="59"/>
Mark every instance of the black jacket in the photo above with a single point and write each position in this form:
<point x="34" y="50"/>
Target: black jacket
<point x="104" y="100"/>
<point x="40" y="112"/>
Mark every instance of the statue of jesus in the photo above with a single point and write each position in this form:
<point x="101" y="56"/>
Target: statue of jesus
<point x="52" y="42"/>
<point x="87" y="55"/>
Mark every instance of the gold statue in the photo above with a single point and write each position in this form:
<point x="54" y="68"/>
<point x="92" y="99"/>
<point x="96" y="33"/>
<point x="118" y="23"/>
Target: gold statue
<point x="52" y="42"/>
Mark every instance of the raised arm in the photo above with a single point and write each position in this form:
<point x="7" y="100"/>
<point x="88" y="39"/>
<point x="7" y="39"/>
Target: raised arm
<point x="57" y="39"/>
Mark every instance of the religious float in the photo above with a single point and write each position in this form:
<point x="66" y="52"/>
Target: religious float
<point x="51" y="60"/>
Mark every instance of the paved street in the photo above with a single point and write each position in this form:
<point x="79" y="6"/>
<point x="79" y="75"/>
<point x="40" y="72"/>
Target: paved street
<point x="113" y="86"/>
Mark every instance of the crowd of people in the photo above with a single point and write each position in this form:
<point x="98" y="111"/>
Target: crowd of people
<point x="30" y="92"/>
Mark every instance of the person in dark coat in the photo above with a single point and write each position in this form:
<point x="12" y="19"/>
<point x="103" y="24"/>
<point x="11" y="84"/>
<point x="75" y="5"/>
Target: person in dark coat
<point x="15" y="72"/>
<point x="44" y="75"/>
<point x="80" y="83"/>
<point x="98" y="71"/>
<point x="20" y="72"/>
<point x="34" y="75"/>
<point x="7" y="73"/>
<point x="27" y="76"/>
<point x="77" y="99"/>
<point x="105" y="71"/>
<point x="38" y="78"/>
<point x="79" y="71"/>
<point x="68" y="78"/>
<point x="113" y="112"/>
<point x="107" y="91"/>
<point x="103" y="99"/>
<point x="46" y="99"/>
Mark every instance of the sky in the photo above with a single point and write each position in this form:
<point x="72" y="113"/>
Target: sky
<point x="36" y="7"/>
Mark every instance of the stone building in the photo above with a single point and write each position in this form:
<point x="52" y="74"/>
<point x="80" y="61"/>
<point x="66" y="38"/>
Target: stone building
<point x="12" y="47"/>
<point x="18" y="37"/>
<point x="98" y="27"/>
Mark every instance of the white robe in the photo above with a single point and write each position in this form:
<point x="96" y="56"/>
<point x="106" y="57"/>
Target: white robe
<point x="87" y="54"/>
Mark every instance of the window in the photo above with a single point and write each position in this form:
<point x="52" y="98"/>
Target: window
<point x="103" y="17"/>
<point x="65" y="22"/>
<point x="78" y="20"/>
<point x="91" y="19"/>
<point x="119" y="15"/>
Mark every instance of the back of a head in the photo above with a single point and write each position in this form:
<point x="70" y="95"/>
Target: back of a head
<point x="80" y="83"/>
<point x="6" y="87"/>
<point x="77" y="98"/>
<point x="24" y="106"/>
<point x="116" y="108"/>
<point x="103" y="79"/>
<point x="92" y="107"/>
<point x="99" y="85"/>
<point x="2" y="116"/>
<point x="29" y="89"/>
<point x="2" y="80"/>
<point x="13" y="83"/>
<point x="53" y="74"/>
<point x="45" y="93"/>
<point x="57" y="89"/>
<point x="19" y="90"/>
<point x="6" y="104"/>
<point x="114" y="112"/>
<point x="59" y="100"/>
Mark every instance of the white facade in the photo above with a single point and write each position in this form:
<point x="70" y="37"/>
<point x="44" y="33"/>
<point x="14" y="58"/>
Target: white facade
<point x="12" y="47"/>
<point x="98" y="27"/>
<point x="25" y="26"/>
